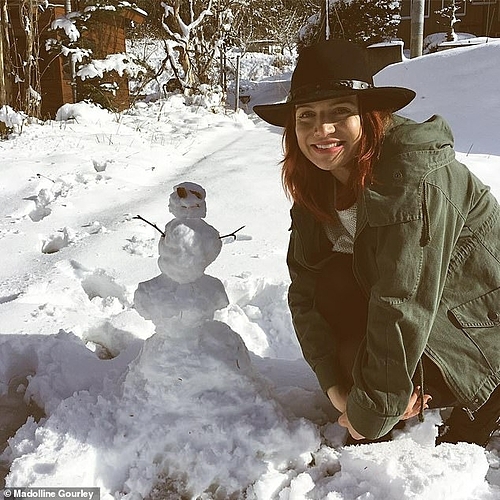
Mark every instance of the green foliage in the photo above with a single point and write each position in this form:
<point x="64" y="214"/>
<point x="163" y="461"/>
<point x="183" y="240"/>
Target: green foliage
<point x="99" y="93"/>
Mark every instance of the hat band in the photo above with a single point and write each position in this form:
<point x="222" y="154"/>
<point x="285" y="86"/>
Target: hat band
<point x="311" y="91"/>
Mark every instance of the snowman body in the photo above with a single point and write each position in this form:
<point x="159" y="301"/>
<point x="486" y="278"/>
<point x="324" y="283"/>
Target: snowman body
<point x="183" y="292"/>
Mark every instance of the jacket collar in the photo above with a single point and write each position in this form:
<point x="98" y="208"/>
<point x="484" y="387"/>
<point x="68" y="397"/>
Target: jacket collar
<point x="410" y="152"/>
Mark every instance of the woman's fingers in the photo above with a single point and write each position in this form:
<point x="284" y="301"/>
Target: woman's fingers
<point x="414" y="404"/>
<point x="344" y="422"/>
<point x="338" y="398"/>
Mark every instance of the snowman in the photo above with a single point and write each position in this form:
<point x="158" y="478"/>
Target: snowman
<point x="198" y="403"/>
<point x="183" y="293"/>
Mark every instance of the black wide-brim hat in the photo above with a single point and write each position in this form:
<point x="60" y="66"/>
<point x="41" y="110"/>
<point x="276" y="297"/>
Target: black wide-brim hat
<point x="334" y="68"/>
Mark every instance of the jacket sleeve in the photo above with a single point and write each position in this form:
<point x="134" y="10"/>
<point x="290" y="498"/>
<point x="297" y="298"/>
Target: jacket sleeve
<point x="313" y="332"/>
<point x="408" y="262"/>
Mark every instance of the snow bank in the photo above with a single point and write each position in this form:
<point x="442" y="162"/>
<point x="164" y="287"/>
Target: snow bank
<point x="468" y="107"/>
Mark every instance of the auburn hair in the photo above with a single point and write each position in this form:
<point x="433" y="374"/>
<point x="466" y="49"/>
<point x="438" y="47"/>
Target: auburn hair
<point x="311" y="187"/>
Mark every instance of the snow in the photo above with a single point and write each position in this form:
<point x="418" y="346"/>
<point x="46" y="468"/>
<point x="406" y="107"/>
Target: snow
<point x="66" y="23"/>
<point x="195" y="404"/>
<point x="10" y="117"/>
<point x="121" y="63"/>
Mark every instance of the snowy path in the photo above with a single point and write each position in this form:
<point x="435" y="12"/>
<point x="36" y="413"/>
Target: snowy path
<point x="84" y="216"/>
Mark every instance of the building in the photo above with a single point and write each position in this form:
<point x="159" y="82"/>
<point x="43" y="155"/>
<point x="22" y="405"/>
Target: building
<point x="52" y="77"/>
<point x="477" y="17"/>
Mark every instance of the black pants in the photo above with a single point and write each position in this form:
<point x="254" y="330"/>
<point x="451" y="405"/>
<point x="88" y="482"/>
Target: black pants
<point x="343" y="304"/>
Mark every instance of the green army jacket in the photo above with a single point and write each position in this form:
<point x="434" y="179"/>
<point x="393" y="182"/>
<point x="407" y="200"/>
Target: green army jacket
<point x="427" y="255"/>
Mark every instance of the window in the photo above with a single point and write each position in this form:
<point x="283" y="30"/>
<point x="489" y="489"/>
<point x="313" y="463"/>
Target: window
<point x="406" y="8"/>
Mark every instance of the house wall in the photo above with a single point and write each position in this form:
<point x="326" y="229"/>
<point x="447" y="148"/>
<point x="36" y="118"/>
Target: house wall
<point x="478" y="17"/>
<point x="56" y="88"/>
<point x="108" y="37"/>
<point x="105" y="37"/>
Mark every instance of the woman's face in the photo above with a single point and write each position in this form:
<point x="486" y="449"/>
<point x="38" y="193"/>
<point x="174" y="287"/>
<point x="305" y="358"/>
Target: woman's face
<point x="329" y="133"/>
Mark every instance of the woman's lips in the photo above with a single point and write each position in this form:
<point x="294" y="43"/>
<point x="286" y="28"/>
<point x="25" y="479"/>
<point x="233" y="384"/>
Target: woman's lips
<point x="327" y="146"/>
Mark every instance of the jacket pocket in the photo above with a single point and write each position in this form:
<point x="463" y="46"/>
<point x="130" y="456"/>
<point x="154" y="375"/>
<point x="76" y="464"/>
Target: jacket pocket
<point x="481" y="312"/>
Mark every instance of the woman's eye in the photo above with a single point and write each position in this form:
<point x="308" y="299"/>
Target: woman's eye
<point x="304" y="115"/>
<point x="342" y="111"/>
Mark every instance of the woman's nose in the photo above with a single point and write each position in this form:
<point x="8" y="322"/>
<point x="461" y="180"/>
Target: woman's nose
<point x="323" y="127"/>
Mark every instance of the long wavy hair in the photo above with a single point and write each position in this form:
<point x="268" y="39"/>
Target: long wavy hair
<point x="311" y="187"/>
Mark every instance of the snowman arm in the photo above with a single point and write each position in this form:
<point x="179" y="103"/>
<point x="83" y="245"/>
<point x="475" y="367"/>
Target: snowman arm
<point x="151" y="224"/>
<point x="233" y="234"/>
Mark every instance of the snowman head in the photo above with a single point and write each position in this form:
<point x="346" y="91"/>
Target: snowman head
<point x="187" y="201"/>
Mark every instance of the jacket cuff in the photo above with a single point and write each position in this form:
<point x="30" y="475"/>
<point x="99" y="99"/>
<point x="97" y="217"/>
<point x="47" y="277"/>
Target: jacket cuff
<point x="368" y="423"/>
<point x="326" y="373"/>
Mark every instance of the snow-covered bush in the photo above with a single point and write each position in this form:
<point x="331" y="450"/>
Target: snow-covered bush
<point x="433" y="41"/>
<point x="10" y="121"/>
<point x="79" y="38"/>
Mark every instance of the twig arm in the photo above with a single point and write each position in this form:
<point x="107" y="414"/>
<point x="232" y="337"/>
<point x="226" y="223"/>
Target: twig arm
<point x="233" y="234"/>
<point x="151" y="224"/>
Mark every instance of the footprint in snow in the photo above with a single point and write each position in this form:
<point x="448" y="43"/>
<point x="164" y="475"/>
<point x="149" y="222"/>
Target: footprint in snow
<point x="55" y="242"/>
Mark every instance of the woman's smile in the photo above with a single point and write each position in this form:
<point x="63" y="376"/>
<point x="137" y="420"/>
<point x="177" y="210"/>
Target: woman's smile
<point x="328" y="147"/>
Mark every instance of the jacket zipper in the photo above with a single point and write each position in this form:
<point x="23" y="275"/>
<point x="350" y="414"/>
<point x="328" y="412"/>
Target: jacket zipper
<point x="470" y="413"/>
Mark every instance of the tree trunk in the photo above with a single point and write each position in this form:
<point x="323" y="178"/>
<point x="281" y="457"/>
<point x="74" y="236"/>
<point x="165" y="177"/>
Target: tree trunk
<point x="3" y="46"/>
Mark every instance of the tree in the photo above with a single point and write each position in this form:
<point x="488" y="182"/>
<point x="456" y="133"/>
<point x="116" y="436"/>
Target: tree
<point x="283" y="23"/>
<point x="20" y="80"/>
<point x="449" y="15"/>
<point x="79" y="37"/>
<point x="198" y="31"/>
<point x="4" y="20"/>
<point x="361" y="21"/>
<point x="182" y="23"/>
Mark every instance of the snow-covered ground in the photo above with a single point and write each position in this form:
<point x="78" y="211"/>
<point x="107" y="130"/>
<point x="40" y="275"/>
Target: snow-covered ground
<point x="225" y="409"/>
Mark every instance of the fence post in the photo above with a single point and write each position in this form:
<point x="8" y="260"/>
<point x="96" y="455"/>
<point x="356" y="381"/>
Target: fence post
<point x="237" y="86"/>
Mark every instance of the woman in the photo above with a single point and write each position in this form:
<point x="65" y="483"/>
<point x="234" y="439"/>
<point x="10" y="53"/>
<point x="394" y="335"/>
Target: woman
<point x="394" y="253"/>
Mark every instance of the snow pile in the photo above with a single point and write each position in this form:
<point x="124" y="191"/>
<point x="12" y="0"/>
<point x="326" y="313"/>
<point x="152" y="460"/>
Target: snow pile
<point x="468" y="109"/>
<point x="405" y="469"/>
<point x="82" y="111"/>
<point x="10" y="117"/>
<point x="212" y="411"/>
<point x="432" y="42"/>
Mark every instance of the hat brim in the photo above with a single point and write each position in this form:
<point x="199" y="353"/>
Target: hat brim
<point x="375" y="98"/>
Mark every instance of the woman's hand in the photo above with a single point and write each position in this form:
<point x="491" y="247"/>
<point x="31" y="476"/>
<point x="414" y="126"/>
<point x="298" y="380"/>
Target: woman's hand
<point x="344" y="422"/>
<point x="338" y="397"/>
<point x="413" y="407"/>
